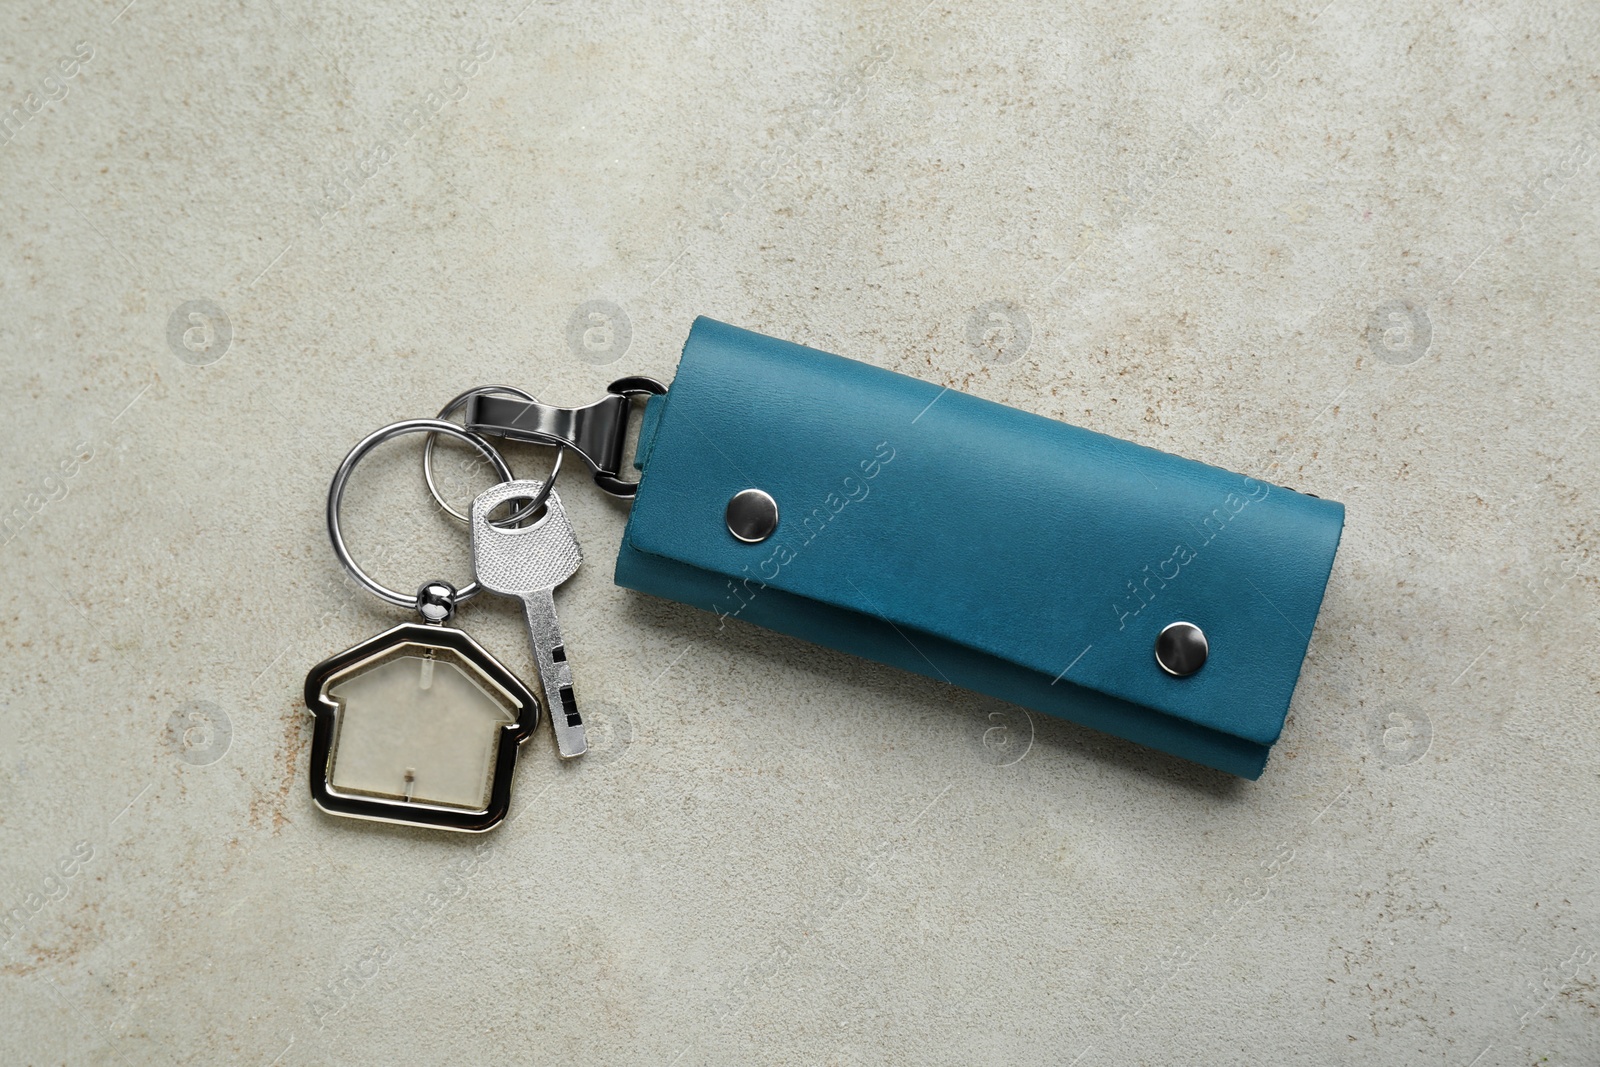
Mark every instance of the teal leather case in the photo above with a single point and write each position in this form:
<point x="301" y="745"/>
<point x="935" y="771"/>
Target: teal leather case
<point x="997" y="550"/>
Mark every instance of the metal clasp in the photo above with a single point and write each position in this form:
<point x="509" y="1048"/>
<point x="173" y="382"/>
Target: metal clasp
<point x="597" y="432"/>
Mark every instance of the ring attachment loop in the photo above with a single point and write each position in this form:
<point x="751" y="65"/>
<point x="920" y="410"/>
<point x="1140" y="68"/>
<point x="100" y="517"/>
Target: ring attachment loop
<point x="631" y="387"/>
<point x="528" y="510"/>
<point x="342" y="476"/>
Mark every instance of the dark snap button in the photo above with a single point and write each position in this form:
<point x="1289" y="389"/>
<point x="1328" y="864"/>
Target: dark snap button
<point x="752" y="515"/>
<point x="1181" y="649"/>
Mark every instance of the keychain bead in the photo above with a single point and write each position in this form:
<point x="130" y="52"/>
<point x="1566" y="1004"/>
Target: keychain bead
<point x="436" y="601"/>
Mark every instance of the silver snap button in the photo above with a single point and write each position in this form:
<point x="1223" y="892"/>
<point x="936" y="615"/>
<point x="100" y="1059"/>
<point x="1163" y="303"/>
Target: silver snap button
<point x="752" y="515"/>
<point x="1181" y="649"/>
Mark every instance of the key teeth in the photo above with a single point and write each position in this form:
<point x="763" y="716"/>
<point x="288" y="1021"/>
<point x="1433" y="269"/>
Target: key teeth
<point x="570" y="741"/>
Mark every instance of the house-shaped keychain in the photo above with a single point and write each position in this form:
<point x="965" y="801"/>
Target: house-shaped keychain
<point x="417" y="725"/>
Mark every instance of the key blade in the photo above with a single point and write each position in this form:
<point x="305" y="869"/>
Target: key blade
<point x="555" y="674"/>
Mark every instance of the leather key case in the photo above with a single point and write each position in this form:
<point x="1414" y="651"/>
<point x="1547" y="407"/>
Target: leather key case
<point x="994" y="549"/>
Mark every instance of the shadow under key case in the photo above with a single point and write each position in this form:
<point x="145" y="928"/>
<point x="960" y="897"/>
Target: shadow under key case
<point x="1072" y="573"/>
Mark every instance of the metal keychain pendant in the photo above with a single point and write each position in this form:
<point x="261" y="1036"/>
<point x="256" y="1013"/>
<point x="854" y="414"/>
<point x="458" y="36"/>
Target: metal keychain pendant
<point x="420" y="724"/>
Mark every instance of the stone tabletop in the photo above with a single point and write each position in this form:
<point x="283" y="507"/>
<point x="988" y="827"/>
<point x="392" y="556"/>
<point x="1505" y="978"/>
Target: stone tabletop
<point x="1345" y="246"/>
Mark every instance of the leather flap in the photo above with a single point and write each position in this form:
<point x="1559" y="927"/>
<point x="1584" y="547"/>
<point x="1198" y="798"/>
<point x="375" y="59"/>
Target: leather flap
<point x="1048" y="546"/>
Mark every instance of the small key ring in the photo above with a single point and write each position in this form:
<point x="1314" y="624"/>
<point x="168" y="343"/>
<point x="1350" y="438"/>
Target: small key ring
<point x="342" y="476"/>
<point x="528" y="510"/>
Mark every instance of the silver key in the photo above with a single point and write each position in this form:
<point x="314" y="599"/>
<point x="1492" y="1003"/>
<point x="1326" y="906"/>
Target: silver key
<point x="528" y="564"/>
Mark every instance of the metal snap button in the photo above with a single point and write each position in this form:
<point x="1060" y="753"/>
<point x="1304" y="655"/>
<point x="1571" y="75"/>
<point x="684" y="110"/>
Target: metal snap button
<point x="752" y="515"/>
<point x="1181" y="649"/>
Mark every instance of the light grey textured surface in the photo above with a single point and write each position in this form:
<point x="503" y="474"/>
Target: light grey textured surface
<point x="1349" y="248"/>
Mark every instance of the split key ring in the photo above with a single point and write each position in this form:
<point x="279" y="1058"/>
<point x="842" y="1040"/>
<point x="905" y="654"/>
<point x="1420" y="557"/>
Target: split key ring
<point x="528" y="510"/>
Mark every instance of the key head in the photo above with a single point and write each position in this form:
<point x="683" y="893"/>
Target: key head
<point x="516" y="562"/>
